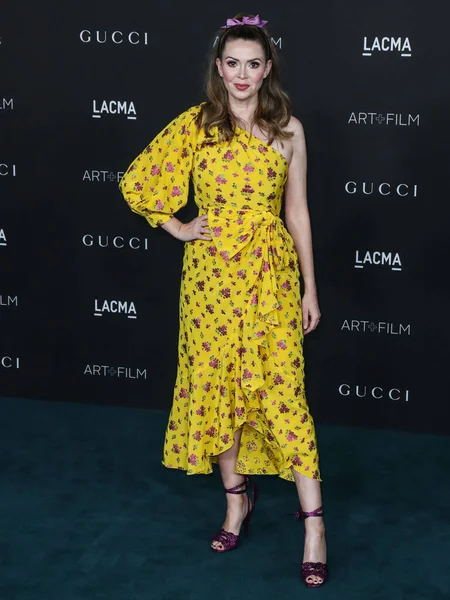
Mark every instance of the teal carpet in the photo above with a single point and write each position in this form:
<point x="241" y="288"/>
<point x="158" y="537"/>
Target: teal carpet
<point x="87" y="512"/>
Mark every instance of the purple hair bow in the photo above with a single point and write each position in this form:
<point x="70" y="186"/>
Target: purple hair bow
<point x="245" y="21"/>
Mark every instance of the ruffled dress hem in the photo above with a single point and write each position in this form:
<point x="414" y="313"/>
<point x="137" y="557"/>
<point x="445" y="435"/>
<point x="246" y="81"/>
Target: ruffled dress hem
<point x="204" y="467"/>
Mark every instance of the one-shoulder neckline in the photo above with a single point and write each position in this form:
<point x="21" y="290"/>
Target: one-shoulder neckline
<point x="277" y="152"/>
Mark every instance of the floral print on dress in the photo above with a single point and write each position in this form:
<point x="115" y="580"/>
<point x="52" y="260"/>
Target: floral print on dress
<point x="240" y="350"/>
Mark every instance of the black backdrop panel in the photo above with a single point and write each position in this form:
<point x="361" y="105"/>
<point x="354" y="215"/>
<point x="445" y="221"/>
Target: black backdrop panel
<point x="89" y="292"/>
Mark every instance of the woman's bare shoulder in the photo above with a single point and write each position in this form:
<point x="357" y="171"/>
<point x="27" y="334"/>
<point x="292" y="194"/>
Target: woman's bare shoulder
<point x="295" y="126"/>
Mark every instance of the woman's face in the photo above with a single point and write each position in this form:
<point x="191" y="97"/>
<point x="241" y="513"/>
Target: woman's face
<point x="243" y="68"/>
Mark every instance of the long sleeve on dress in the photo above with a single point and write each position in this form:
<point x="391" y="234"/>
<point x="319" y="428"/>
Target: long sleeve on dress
<point x="156" y="184"/>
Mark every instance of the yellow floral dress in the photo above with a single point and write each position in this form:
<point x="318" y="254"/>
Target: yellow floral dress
<point x="240" y="359"/>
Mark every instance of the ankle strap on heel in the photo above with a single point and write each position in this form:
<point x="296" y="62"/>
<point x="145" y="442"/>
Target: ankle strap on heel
<point x="301" y="514"/>
<point x="241" y="488"/>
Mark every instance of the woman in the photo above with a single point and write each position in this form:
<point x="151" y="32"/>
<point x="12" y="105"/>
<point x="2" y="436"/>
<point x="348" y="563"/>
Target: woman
<point x="239" y="396"/>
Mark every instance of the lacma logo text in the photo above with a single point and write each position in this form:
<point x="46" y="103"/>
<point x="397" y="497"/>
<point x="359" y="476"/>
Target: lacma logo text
<point x="113" y="107"/>
<point x="378" y="258"/>
<point x="387" y="44"/>
<point x="115" y="307"/>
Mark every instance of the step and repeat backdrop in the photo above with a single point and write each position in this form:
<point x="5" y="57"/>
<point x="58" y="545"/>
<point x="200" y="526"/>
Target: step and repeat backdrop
<point x="89" y="292"/>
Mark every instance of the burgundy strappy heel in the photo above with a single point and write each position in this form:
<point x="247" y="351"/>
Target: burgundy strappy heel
<point x="312" y="568"/>
<point x="229" y="540"/>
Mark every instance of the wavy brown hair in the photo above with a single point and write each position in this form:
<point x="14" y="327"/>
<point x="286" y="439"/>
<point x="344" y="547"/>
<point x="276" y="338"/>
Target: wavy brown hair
<point x="273" y="111"/>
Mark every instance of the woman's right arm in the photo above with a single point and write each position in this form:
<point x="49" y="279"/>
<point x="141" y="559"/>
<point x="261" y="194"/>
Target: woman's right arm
<point x="156" y="184"/>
